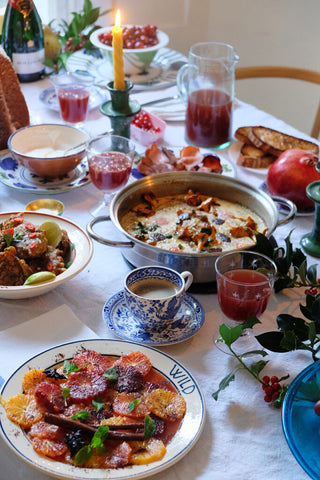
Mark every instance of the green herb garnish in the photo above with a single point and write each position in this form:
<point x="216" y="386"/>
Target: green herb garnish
<point x="84" y="454"/>
<point x="65" y="394"/>
<point x="82" y="415"/>
<point x="111" y="374"/>
<point x="69" y="367"/>
<point x="132" y="405"/>
<point x="149" y="426"/>
<point x="98" y="404"/>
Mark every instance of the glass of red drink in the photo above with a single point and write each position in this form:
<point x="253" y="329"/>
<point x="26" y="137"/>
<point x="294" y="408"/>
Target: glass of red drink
<point x="245" y="282"/>
<point x="206" y="85"/>
<point x="73" y="92"/>
<point x="110" y="159"/>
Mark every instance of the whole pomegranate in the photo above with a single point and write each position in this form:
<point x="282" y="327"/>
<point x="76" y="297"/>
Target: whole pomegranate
<point x="290" y="174"/>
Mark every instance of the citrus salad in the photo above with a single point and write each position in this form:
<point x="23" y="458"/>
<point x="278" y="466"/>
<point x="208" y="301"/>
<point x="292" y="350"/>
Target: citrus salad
<point x="98" y="411"/>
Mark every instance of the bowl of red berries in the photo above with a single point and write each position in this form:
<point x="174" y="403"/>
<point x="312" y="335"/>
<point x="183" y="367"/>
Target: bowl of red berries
<point x="147" y="128"/>
<point x="140" y="45"/>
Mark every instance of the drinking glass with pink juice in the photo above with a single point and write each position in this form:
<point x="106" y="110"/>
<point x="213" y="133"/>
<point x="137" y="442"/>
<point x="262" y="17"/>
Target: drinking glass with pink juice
<point x="73" y="93"/>
<point x="206" y="85"/>
<point x="244" y="284"/>
<point x="110" y="159"/>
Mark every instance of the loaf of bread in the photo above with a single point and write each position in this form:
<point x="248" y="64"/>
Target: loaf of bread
<point x="263" y="145"/>
<point x="14" y="112"/>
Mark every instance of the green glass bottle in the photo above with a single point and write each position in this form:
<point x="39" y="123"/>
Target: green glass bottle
<point x="22" y="39"/>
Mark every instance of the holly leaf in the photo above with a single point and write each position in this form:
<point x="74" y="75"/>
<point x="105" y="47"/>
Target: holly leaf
<point x="251" y="322"/>
<point x="225" y="382"/>
<point x="230" y="334"/>
<point x="272" y="341"/>
<point x="297" y="325"/>
<point x="258" y="366"/>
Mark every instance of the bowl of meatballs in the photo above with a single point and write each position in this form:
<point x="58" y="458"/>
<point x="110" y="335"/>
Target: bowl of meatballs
<point x="39" y="252"/>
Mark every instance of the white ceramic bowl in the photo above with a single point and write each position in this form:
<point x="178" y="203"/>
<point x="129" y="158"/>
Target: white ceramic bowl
<point x="55" y="137"/>
<point x="82" y="255"/>
<point x="134" y="60"/>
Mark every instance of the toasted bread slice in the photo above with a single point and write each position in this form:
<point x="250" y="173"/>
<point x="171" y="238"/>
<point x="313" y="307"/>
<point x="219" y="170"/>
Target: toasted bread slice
<point x="253" y="157"/>
<point x="242" y="134"/>
<point x="274" y="142"/>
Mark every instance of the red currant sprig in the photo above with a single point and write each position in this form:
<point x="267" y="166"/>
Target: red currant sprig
<point x="271" y="387"/>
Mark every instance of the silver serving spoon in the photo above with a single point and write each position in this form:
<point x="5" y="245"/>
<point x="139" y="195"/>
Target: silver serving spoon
<point x="69" y="150"/>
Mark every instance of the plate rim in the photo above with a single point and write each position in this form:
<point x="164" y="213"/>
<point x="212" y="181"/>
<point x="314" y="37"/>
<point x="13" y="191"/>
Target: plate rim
<point x="108" y="321"/>
<point x="286" y="418"/>
<point x="10" y="430"/>
<point x="38" y="190"/>
<point x="223" y="158"/>
<point x="234" y="151"/>
<point x="50" y="90"/>
<point x="154" y="84"/>
<point x="13" y="292"/>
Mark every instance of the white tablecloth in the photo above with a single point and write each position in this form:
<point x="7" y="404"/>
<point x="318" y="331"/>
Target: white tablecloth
<point x="242" y="436"/>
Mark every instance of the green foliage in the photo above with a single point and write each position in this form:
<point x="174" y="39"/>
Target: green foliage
<point x="291" y="263"/>
<point x="75" y="35"/>
<point x="295" y="333"/>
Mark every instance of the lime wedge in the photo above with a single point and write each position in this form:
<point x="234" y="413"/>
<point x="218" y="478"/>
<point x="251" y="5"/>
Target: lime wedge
<point x="40" y="277"/>
<point x="53" y="232"/>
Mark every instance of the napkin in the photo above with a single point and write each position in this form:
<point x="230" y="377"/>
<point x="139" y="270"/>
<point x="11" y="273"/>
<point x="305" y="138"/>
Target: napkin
<point x="19" y="343"/>
<point x="172" y="110"/>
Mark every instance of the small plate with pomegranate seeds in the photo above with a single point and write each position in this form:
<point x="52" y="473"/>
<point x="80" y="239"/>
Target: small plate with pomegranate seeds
<point x="168" y="371"/>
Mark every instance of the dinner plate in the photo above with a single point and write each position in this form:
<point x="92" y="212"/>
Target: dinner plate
<point x="179" y="446"/>
<point x="50" y="99"/>
<point x="234" y="152"/>
<point x="229" y="169"/>
<point x="161" y="74"/>
<point x="186" y="323"/>
<point x="82" y="254"/>
<point x="14" y="175"/>
<point x="300" y="424"/>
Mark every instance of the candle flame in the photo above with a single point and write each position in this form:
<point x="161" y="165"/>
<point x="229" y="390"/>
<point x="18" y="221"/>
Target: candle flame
<point x="118" y="22"/>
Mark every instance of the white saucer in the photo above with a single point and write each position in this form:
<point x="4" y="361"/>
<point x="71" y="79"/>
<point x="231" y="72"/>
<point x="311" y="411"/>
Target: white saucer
<point x="187" y="322"/>
<point x="14" y="175"/>
<point x="159" y="75"/>
<point x="50" y="99"/>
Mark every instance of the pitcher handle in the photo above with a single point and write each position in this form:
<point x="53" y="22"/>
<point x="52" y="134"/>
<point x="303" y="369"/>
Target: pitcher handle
<point x="182" y="80"/>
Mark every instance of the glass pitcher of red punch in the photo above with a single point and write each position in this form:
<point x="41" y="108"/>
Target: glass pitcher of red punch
<point x="206" y="85"/>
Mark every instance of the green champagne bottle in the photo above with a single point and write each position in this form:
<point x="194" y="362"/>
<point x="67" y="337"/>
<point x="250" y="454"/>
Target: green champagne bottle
<point x="22" y="39"/>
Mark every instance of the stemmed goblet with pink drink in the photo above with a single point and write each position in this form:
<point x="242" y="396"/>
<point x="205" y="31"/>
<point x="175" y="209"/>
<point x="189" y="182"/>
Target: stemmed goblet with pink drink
<point x="245" y="282"/>
<point x="110" y="159"/>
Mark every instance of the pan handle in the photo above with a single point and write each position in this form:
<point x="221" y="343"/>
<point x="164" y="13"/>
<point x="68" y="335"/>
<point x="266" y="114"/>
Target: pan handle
<point x="103" y="240"/>
<point x="288" y="207"/>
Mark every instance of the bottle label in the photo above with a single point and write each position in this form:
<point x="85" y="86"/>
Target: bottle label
<point x="22" y="5"/>
<point x="25" y="63"/>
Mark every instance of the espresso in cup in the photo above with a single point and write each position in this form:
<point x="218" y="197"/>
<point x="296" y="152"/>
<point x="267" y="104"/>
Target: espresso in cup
<point x="154" y="295"/>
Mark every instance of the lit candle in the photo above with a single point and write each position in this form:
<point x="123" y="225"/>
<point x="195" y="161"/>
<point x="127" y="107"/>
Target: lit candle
<point x="118" y="55"/>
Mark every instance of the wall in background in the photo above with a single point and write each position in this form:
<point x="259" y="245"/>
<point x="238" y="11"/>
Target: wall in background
<point x="274" y="32"/>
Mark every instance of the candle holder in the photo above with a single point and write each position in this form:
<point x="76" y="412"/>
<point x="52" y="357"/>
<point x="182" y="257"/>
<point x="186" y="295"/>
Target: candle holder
<point x="311" y="241"/>
<point x="120" y="109"/>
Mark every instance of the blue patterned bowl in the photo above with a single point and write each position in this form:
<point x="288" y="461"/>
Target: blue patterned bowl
<point x="155" y="313"/>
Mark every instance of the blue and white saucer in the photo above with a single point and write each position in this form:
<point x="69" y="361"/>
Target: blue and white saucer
<point x="187" y="322"/>
<point x="15" y="175"/>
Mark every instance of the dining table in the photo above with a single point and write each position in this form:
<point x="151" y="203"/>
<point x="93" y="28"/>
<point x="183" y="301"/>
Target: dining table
<point x="242" y="435"/>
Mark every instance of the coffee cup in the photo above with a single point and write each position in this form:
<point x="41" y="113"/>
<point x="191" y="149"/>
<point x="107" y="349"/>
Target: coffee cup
<point x="206" y="86"/>
<point x="155" y="294"/>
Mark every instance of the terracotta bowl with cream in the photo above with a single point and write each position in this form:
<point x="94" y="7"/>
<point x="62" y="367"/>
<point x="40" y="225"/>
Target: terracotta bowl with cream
<point x="49" y="150"/>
